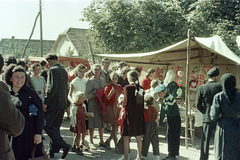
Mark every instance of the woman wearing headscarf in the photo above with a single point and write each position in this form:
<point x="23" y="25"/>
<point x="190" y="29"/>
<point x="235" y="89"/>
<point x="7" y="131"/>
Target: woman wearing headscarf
<point x="226" y="111"/>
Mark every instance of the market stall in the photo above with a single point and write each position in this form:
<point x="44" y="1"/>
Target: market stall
<point x="205" y="54"/>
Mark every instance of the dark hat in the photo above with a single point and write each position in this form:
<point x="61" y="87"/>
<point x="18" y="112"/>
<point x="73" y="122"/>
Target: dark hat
<point x="160" y="88"/>
<point x="213" y="72"/>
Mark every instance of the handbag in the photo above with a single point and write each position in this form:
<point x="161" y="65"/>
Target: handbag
<point x="120" y="120"/>
<point x="43" y="157"/>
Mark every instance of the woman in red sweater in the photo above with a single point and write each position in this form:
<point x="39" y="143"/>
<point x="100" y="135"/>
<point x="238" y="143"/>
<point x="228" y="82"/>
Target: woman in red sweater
<point x="111" y="94"/>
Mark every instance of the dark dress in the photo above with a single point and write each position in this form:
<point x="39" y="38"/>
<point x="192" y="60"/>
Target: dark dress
<point x="134" y="122"/>
<point x="226" y="111"/>
<point x="23" y="144"/>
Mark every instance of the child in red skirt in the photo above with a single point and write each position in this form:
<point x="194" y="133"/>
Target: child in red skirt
<point x="77" y="119"/>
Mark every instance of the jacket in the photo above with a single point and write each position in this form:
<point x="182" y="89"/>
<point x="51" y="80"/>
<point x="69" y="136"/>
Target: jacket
<point x="11" y="122"/>
<point x="57" y="88"/>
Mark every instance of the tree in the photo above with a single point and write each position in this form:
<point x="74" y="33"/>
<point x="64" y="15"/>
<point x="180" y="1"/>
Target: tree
<point x="144" y="25"/>
<point x="130" y="26"/>
<point x="216" y="17"/>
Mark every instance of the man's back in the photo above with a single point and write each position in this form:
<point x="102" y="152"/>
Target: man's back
<point x="57" y="85"/>
<point x="205" y="96"/>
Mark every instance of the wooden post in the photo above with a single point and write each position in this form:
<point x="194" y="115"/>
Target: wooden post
<point x="187" y="87"/>
<point x="91" y="52"/>
<point x="41" y="34"/>
<point x="25" y="48"/>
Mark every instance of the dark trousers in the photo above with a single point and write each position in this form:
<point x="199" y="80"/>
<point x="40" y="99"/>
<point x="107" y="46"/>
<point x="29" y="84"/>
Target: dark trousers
<point x="173" y="135"/>
<point x="207" y="131"/>
<point x="151" y="136"/>
<point x="52" y="128"/>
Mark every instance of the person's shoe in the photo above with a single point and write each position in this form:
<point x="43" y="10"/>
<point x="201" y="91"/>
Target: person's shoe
<point x="92" y="146"/>
<point x="107" y="144"/>
<point x="84" y="147"/>
<point x="102" y="145"/>
<point x="66" y="149"/>
<point x="79" y="152"/>
<point x="73" y="149"/>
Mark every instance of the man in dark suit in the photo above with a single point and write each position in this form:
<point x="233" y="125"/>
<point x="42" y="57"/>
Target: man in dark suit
<point x="54" y="105"/>
<point x="43" y="69"/>
<point x="204" y="101"/>
<point x="11" y="119"/>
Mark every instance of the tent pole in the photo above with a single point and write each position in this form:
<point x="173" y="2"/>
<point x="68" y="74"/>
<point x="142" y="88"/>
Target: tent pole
<point x="187" y="87"/>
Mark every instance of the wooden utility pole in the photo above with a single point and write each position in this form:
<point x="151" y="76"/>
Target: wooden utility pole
<point x="41" y="37"/>
<point x="187" y="87"/>
<point x="30" y="36"/>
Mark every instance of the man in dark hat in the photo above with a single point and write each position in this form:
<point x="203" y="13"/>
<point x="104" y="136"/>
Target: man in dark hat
<point x="55" y="104"/>
<point x="204" y="101"/>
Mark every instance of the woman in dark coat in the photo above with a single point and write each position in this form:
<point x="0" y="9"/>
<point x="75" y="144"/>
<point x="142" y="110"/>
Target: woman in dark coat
<point x="15" y="77"/>
<point x="226" y="111"/>
<point x="134" y="123"/>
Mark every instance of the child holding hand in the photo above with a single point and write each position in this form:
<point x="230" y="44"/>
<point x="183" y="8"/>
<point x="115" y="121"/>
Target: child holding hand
<point x="77" y="119"/>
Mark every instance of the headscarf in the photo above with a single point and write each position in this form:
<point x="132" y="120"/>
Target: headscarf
<point x="228" y="82"/>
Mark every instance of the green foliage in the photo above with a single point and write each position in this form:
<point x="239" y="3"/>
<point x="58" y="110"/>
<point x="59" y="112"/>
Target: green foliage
<point x="125" y="26"/>
<point x="129" y="26"/>
<point x="216" y="17"/>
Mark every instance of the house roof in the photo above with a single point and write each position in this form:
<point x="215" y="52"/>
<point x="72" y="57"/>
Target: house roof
<point x="32" y="49"/>
<point x="77" y="37"/>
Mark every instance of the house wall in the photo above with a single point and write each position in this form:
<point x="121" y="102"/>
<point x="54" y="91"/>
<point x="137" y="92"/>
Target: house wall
<point x="65" y="48"/>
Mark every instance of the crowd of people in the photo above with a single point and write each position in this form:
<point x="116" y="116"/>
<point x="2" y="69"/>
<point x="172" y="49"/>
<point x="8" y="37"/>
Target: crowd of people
<point x="33" y="100"/>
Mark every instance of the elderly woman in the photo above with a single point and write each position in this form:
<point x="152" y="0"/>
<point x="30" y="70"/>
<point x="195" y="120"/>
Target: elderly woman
<point x="93" y="84"/>
<point x="15" y="77"/>
<point x="226" y="111"/>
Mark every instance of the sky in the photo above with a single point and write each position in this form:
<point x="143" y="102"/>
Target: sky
<point x="17" y="17"/>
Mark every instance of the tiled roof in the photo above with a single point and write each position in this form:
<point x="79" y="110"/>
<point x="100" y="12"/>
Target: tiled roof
<point x="78" y="39"/>
<point x="33" y="48"/>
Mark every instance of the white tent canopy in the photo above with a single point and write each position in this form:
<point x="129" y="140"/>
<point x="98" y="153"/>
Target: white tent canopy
<point x="238" y="41"/>
<point x="206" y="51"/>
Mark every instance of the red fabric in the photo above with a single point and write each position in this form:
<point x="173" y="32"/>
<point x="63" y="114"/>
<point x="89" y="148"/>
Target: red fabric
<point x="70" y="78"/>
<point x="121" y="118"/>
<point x="146" y="83"/>
<point x="99" y="99"/>
<point x="147" y="115"/>
<point x="81" y="120"/>
<point x="106" y="92"/>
